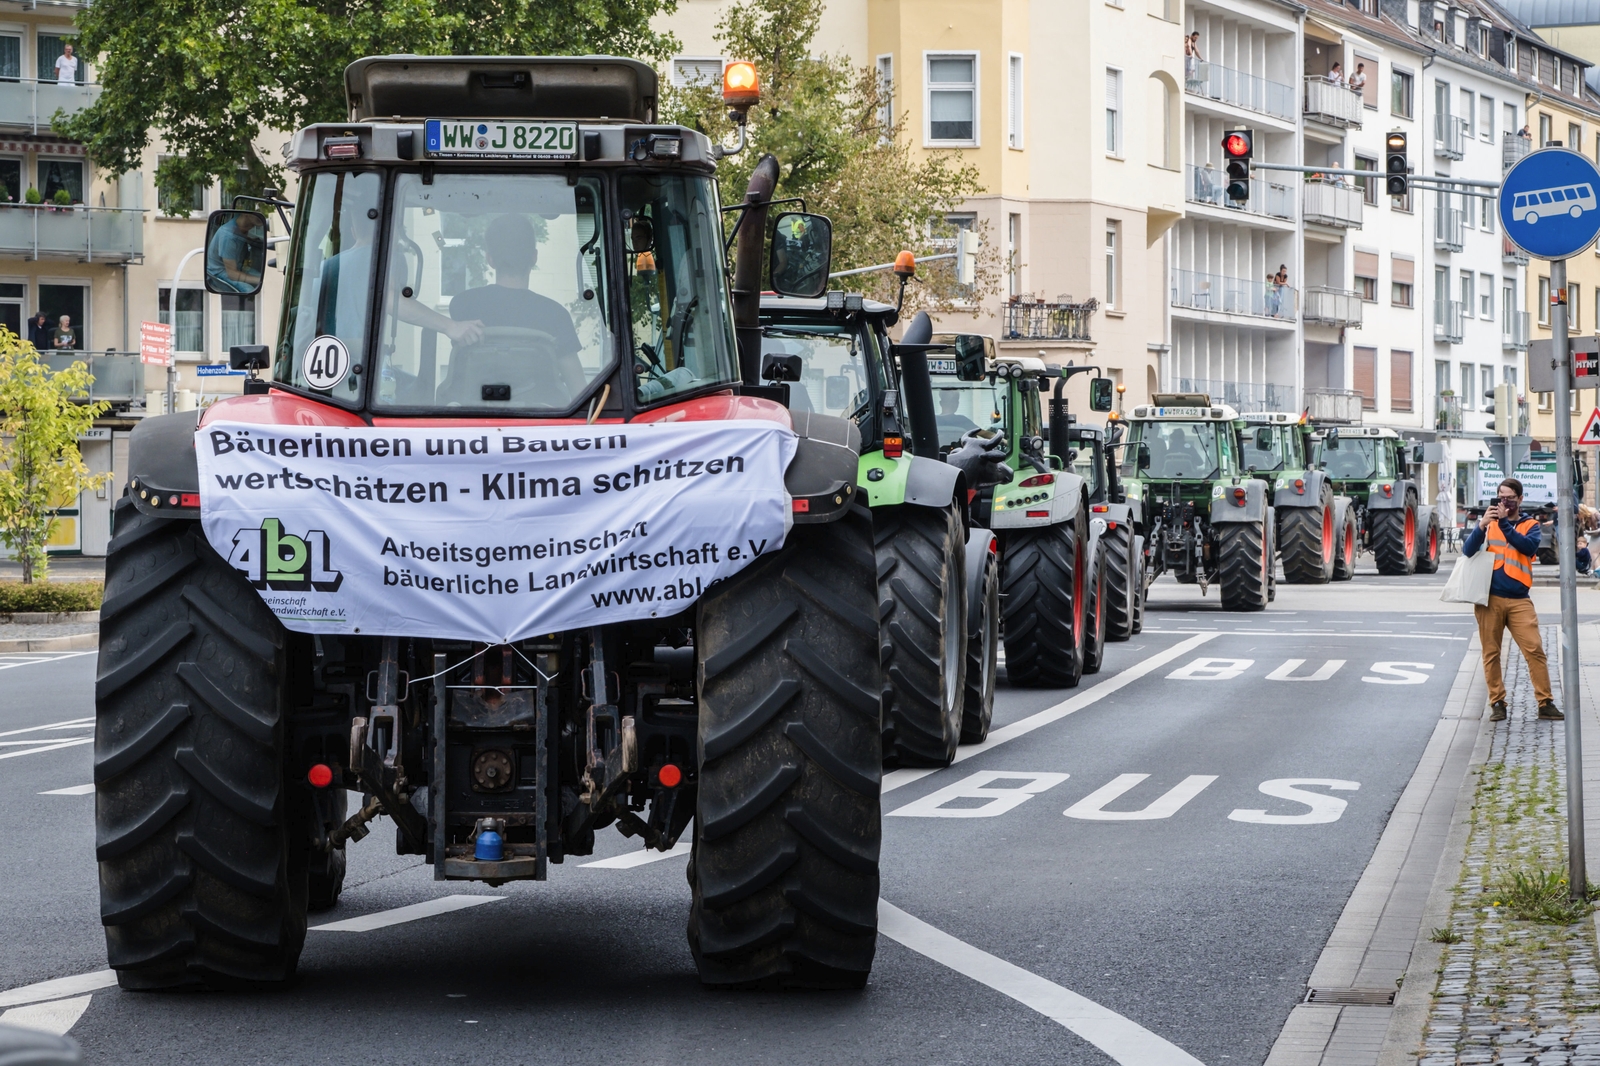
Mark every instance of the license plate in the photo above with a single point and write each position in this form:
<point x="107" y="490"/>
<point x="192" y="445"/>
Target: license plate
<point x="941" y="366"/>
<point x="1181" y="412"/>
<point x="447" y="138"/>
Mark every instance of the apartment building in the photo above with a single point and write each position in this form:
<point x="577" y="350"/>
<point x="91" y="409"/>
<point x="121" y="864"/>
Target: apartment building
<point x="1079" y="197"/>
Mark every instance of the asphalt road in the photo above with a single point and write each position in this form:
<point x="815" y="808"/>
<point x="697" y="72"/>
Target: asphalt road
<point x="1196" y="922"/>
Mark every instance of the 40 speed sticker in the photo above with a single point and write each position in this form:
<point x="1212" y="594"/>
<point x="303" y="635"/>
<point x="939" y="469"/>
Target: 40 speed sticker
<point x="325" y="363"/>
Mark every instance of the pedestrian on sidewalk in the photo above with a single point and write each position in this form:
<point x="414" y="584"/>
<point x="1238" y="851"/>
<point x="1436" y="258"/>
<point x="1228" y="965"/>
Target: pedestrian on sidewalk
<point x="1584" y="560"/>
<point x="1513" y="538"/>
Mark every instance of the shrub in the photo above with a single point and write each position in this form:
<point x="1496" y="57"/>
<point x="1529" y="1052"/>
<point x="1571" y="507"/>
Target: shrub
<point x="62" y="198"/>
<point x="1538" y="896"/>
<point x="32" y="196"/>
<point x="16" y="598"/>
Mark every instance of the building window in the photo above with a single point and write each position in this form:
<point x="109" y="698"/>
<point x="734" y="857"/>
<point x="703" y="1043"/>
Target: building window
<point x="11" y="185"/>
<point x="1402" y="273"/>
<point x="696" y="70"/>
<point x="1574" y="308"/>
<point x="10" y="57"/>
<point x="186" y="315"/>
<point x="1469" y="387"/>
<point x="1113" y="111"/>
<point x="1544" y="130"/>
<point x="1469" y="100"/>
<point x="886" y="115"/>
<point x="1014" y="102"/>
<point x="1014" y="253"/>
<point x="1369" y="87"/>
<point x="1113" y="264"/>
<point x="171" y="204"/>
<point x="1368" y="186"/>
<point x="1486" y="297"/>
<point x="1367" y="275"/>
<point x="238" y="319"/>
<point x="1441" y="377"/>
<point x="1486" y="117"/>
<point x="953" y="98"/>
<point x="1468" y="287"/>
<point x="71" y="301"/>
<point x="1544" y="302"/>
<point x="1400" y="93"/>
<point x="1509" y="115"/>
<point x="1575" y="136"/>
<point x="1486" y="213"/>
<point x="56" y="174"/>
<point x="1400" y="293"/>
<point x="1508" y="303"/>
<point x="1399" y="381"/>
<point x="53" y="47"/>
<point x="1365" y="372"/>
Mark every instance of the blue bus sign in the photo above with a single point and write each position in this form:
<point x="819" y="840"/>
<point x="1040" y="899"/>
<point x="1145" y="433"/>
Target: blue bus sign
<point x="1550" y="203"/>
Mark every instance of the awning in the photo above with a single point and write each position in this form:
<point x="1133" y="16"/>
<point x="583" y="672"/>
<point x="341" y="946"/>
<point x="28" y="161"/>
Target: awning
<point x="42" y="147"/>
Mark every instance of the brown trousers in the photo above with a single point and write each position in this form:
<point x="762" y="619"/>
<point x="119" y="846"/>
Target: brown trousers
<point x="1518" y="615"/>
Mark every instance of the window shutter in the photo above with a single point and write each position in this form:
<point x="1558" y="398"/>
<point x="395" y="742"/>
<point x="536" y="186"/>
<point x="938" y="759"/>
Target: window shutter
<point x="1399" y="381"/>
<point x="1366" y="377"/>
<point x="1366" y="264"/>
<point x="1114" y="90"/>
<point x="1405" y="270"/>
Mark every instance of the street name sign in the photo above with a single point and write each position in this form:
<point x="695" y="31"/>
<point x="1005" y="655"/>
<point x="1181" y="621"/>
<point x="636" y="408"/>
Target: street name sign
<point x="155" y="343"/>
<point x="1548" y="204"/>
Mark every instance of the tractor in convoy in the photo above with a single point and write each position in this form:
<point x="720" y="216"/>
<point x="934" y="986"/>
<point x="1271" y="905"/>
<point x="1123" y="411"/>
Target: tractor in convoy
<point x="236" y="702"/>
<point x="1204" y="518"/>
<point x="1387" y="514"/>
<point x="1316" y="541"/>
<point x="1113" y="523"/>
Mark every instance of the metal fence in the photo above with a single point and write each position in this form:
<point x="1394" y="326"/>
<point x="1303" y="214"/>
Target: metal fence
<point x="1514" y="331"/>
<point x="1333" y="203"/>
<point x="1340" y="404"/>
<point x="1449" y="228"/>
<point x="1332" y="307"/>
<point x="1039" y="320"/>
<point x="1448" y="321"/>
<point x="1242" y="395"/>
<point x="118" y="376"/>
<point x="1512" y="148"/>
<point x="31" y="102"/>
<point x="1217" y="82"/>
<point x="1208" y="185"/>
<point x="1235" y="296"/>
<point x="1447" y="417"/>
<point x="87" y="234"/>
<point x="1449" y="136"/>
<point x="1333" y="104"/>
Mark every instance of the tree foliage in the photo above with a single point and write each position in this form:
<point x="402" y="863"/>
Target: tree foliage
<point x="210" y="76"/>
<point x="824" y="121"/>
<point x="40" y="466"/>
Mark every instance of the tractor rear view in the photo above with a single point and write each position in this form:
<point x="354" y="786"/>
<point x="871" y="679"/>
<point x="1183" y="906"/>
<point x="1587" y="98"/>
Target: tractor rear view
<point x="515" y="543"/>
<point x="1372" y="467"/>
<point x="1312" y="541"/>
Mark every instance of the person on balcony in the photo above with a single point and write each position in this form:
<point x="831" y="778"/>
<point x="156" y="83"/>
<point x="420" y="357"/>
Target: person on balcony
<point x="66" y="66"/>
<point x="65" y="337"/>
<point x="1192" y="60"/>
<point x="1358" y="80"/>
<point x="1336" y="74"/>
<point x="39" y="331"/>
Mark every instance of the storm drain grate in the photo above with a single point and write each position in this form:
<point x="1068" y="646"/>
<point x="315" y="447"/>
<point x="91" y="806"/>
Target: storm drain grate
<point x="1351" y="997"/>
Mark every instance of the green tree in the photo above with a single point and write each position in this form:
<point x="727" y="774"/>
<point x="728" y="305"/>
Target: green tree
<point x="40" y="466"/>
<point x="825" y="121"/>
<point x="211" y="76"/>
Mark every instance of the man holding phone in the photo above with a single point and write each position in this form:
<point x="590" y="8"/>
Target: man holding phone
<point x="1513" y="538"/>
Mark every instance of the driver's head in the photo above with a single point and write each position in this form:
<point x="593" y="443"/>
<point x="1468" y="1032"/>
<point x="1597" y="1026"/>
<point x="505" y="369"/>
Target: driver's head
<point x="948" y="402"/>
<point x="1180" y="437"/>
<point x="510" y="246"/>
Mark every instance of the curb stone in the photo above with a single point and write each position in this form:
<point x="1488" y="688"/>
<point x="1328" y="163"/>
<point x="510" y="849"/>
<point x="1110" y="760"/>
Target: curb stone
<point x="76" y="642"/>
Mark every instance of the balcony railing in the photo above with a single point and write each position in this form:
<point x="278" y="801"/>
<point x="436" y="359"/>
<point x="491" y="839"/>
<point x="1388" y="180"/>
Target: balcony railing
<point x="1449" y="136"/>
<point x="31" y="102"/>
<point x="1332" y="307"/>
<point x="1334" y="404"/>
<point x="1511" y="254"/>
<point x="1332" y="104"/>
<point x="118" y="376"/>
<point x="1217" y="82"/>
<point x="1208" y="185"/>
<point x="1234" y="296"/>
<point x="1514" y="332"/>
<point x="1512" y="148"/>
<point x="1242" y="396"/>
<point x="1447" y="321"/>
<point x="1036" y="320"/>
<point x="1447" y="416"/>
<point x="1332" y="203"/>
<point x="1449" y="229"/>
<point x="87" y="234"/>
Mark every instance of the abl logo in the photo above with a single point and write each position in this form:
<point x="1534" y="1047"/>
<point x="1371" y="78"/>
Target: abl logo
<point x="283" y="562"/>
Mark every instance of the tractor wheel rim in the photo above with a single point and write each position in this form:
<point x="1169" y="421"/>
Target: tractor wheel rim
<point x="1433" y="544"/>
<point x="1349" y="547"/>
<point x="1327" y="534"/>
<point x="1077" y="595"/>
<point x="1411" y="533"/>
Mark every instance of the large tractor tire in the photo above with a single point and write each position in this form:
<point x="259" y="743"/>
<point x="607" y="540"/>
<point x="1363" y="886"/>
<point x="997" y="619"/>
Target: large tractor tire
<point x="1043" y="585"/>
<point x="1142" y="584"/>
<point x="1347" y="539"/>
<point x="1428" y="547"/>
<point x="922" y="611"/>
<point x="203" y="883"/>
<point x="1094" y="634"/>
<point x="983" y="652"/>
<point x="1122" y="581"/>
<point x="1244" y="565"/>
<point x="325" y="876"/>
<point x="1306" y="541"/>
<point x="787" y="828"/>
<point x="1394" y="539"/>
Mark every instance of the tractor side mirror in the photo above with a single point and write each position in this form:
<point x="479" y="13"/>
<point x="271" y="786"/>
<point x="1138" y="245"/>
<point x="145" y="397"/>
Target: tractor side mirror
<point x="1144" y="455"/>
<point x="972" y="356"/>
<point x="802" y="250"/>
<point x="1263" y="438"/>
<point x="236" y="252"/>
<point x="778" y="367"/>
<point x="1100" y="390"/>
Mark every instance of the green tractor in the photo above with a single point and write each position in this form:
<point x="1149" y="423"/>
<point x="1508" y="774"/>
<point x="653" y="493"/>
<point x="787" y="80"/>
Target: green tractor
<point x="1314" y="541"/>
<point x="1388" y="515"/>
<point x="1114" y="520"/>
<point x="1204" y="517"/>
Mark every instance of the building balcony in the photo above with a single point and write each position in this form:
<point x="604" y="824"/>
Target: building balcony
<point x="1449" y="136"/>
<point x="29" y="103"/>
<point x="1338" y="405"/>
<point x="1514" y="332"/>
<point x="1510" y="254"/>
<point x="84" y="234"/>
<point x="1233" y="296"/>
<point x="1027" y="319"/>
<point x="1242" y="396"/>
<point x="1332" y="105"/>
<point x="1512" y="148"/>
<point x="1333" y="203"/>
<point x="1208" y="185"/>
<point x="1332" y="307"/>
<point x="1447" y="321"/>
<point x="118" y="376"/>
<point x="1226" y="85"/>
<point x="1449" y="229"/>
<point x="1447" y="413"/>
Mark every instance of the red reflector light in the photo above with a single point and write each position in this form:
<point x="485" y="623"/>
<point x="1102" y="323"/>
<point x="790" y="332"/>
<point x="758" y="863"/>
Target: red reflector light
<point x="802" y="506"/>
<point x="893" y="447"/>
<point x="1038" y="514"/>
<point x="1099" y="508"/>
<point x="320" y="775"/>
<point x="1388" y="490"/>
<point x="1036" y="480"/>
<point x="1238" y="497"/>
<point x="1111" y="525"/>
<point x="669" y="775"/>
<point x="1300" y="485"/>
<point x="189" y="499"/>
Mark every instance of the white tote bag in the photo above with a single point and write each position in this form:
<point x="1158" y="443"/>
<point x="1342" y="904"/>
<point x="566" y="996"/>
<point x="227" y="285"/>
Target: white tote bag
<point x="1469" y="578"/>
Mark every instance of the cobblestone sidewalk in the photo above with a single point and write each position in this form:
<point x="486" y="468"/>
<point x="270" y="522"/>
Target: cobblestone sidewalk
<point x="1515" y="991"/>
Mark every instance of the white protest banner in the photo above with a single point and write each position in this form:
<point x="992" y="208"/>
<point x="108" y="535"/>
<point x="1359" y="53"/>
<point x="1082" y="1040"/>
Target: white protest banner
<point x="490" y="533"/>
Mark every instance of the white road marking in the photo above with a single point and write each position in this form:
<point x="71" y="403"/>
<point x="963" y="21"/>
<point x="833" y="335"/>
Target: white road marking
<point x="1398" y="674"/>
<point x="637" y="858"/>
<point x="1308" y="633"/>
<point x="58" y="988"/>
<point x="47" y="746"/>
<point x="1127" y="1042"/>
<point x="75" y="790"/>
<point x="7" y="662"/>
<point x="56" y="1017"/>
<point x="71" y="723"/>
<point x="980" y="786"/>
<point x="400" y="915"/>
<point x="1211" y="670"/>
<point x="1323" y="808"/>
<point x="1090" y="807"/>
<point x="1323" y="673"/>
<point x="1021" y="728"/>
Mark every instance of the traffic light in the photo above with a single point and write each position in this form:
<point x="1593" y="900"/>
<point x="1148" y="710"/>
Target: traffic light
<point x="1395" y="165"/>
<point x="1237" y="146"/>
<point x="1503" y="405"/>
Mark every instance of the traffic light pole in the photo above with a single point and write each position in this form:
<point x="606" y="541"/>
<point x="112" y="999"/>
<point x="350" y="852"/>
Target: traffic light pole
<point x="1567" y="547"/>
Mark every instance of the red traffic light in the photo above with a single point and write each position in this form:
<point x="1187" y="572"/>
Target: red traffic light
<point x="1237" y="145"/>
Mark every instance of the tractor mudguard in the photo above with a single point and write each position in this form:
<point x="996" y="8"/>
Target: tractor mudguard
<point x="1377" y="501"/>
<point x="930" y="483"/>
<point x="1341" y="504"/>
<point x="1309" y="496"/>
<point x="162" y="468"/>
<point x="1225" y="510"/>
<point x="822" y="475"/>
<point x="980" y="543"/>
<point x="1049" y="505"/>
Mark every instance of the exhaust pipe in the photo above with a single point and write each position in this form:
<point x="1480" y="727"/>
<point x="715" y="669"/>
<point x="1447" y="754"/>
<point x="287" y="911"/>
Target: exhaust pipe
<point x="747" y="263"/>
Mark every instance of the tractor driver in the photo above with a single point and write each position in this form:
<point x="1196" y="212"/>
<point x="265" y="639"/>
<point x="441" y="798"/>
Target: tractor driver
<point x="953" y="425"/>
<point x="513" y="251"/>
